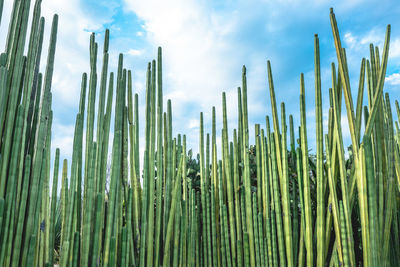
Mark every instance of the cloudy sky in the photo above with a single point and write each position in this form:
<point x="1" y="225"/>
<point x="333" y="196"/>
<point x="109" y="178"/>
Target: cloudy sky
<point x="205" y="43"/>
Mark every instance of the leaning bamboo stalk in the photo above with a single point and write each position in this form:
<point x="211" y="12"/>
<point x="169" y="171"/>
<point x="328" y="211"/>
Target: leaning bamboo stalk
<point x="287" y="222"/>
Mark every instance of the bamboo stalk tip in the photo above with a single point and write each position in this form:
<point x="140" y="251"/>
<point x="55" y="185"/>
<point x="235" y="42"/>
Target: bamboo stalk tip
<point x="331" y="10"/>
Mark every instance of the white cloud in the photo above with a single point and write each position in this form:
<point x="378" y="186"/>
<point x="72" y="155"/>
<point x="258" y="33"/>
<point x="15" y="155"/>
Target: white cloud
<point x="349" y="39"/>
<point x="198" y="57"/>
<point x="394" y="50"/>
<point x="195" y="45"/>
<point x="193" y="124"/>
<point x="134" y="52"/>
<point x="393" y="79"/>
<point x="361" y="42"/>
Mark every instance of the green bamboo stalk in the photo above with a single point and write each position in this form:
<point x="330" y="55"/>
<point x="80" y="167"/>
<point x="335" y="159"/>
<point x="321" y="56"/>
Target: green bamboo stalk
<point x="10" y="205"/>
<point x="208" y="201"/>
<point x="124" y="245"/>
<point x="256" y="234"/>
<point x="275" y="119"/>
<point x="64" y="199"/>
<point x="131" y="259"/>
<point x="50" y="251"/>
<point x="100" y="111"/>
<point x="277" y="204"/>
<point x="360" y="98"/>
<point x="177" y="231"/>
<point x="89" y="138"/>
<point x="266" y="198"/>
<point x="152" y="129"/>
<point x="226" y="236"/>
<point x="203" y="189"/>
<point x="294" y="194"/>
<point x="379" y="86"/>
<point x="184" y="234"/>
<point x="305" y="177"/>
<point x="246" y="179"/>
<point x="112" y="251"/>
<point x="31" y="250"/>
<point x="271" y="193"/>
<point x="185" y="205"/>
<point x="146" y="176"/>
<point x="160" y="151"/>
<point x="258" y="164"/>
<point x="172" y="212"/>
<point x="110" y="225"/>
<point x="97" y="225"/>
<point x="214" y="236"/>
<point x="191" y="249"/>
<point x="346" y="84"/>
<point x="372" y="202"/>
<point x="363" y="206"/>
<point x="320" y="154"/>
<point x="346" y="256"/>
<point x="106" y="131"/>
<point x="216" y="207"/>
<point x="75" y="252"/>
<point x="390" y="184"/>
<point x="333" y="205"/>
<point x="87" y="222"/>
<point x="246" y="252"/>
<point x="168" y="165"/>
<point x="229" y="185"/>
<point x="287" y="222"/>
<point x="261" y="240"/>
<point x="134" y="158"/>
<point x="236" y="191"/>
<point x="77" y="152"/>
<point x="343" y="180"/>
<point x="65" y="250"/>
<point x="21" y="215"/>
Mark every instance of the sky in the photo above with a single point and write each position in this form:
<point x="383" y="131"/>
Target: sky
<point x="205" y="44"/>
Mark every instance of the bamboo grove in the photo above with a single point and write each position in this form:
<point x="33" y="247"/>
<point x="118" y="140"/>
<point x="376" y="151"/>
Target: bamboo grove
<point x="270" y="203"/>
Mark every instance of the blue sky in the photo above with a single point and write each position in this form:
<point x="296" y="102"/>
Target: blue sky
<point x="205" y="43"/>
